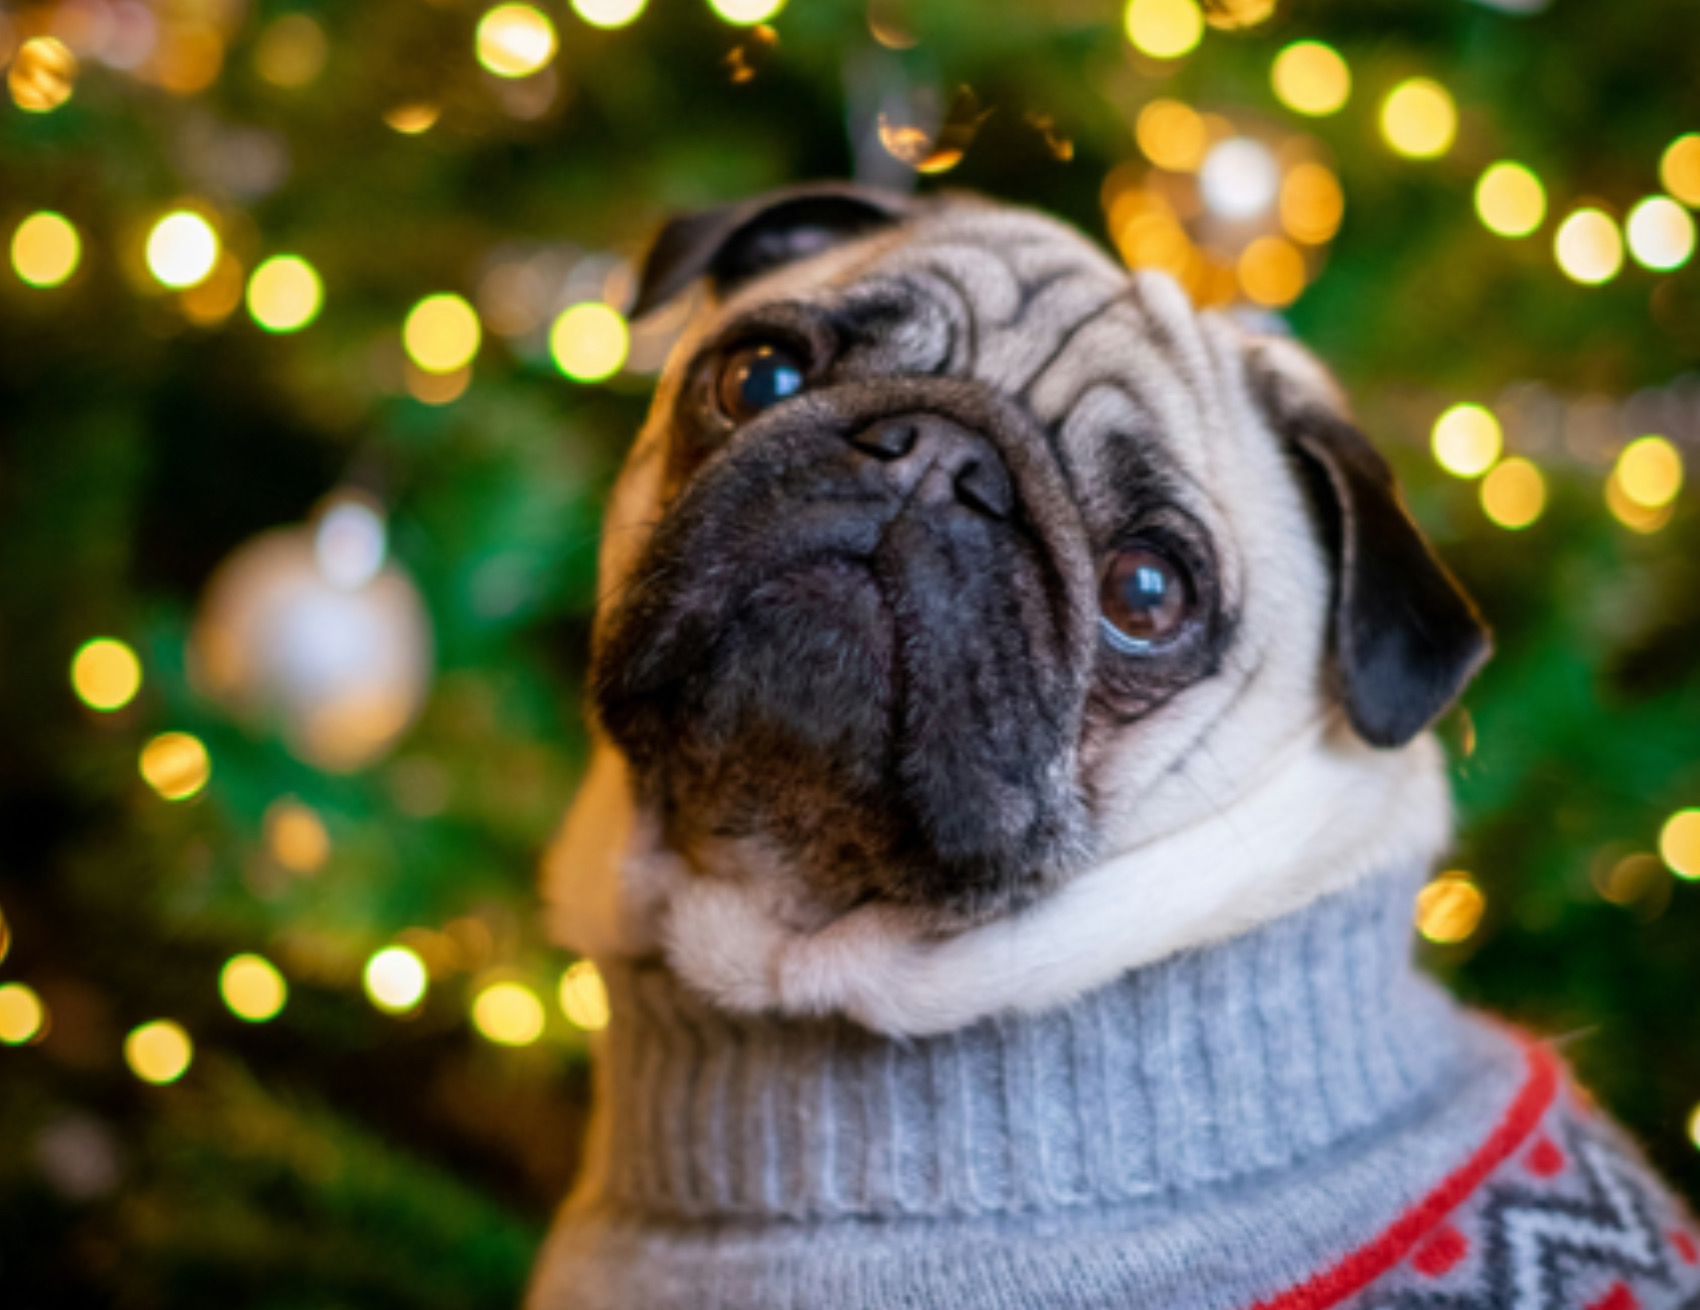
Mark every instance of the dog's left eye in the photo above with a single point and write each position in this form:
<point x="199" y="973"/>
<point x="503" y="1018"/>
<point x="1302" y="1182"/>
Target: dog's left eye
<point x="757" y="378"/>
<point x="1144" y="598"/>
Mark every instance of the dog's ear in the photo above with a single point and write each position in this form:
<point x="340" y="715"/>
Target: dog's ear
<point x="735" y="243"/>
<point x="1406" y="637"/>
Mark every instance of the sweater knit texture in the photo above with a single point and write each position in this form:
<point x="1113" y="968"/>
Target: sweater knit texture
<point x="1289" y="1120"/>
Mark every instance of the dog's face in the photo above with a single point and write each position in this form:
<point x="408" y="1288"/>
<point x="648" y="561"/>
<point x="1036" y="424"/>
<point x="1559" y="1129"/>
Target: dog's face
<point x="954" y="559"/>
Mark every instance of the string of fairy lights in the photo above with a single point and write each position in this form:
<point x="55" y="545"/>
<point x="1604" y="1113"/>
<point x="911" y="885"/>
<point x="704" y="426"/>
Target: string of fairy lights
<point x="1235" y="213"/>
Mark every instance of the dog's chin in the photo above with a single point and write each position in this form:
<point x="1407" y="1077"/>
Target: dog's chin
<point x="846" y="721"/>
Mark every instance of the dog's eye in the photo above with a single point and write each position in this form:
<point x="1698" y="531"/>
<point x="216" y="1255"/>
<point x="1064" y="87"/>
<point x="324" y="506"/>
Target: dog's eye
<point x="1144" y="598"/>
<point x="757" y="378"/>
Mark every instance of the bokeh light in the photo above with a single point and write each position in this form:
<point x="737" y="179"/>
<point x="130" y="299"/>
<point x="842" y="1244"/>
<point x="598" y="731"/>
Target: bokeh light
<point x="215" y="297"/>
<point x="176" y="765"/>
<point x="589" y="342"/>
<point x="1694" y="1126"/>
<point x="158" y="1052"/>
<point x="1449" y="909"/>
<point x="291" y="51"/>
<point x="182" y="250"/>
<point x="1679" y="843"/>
<point x="1679" y="169"/>
<point x="1312" y="203"/>
<point x="5" y="937"/>
<point x="508" y="1013"/>
<point x="1311" y="78"/>
<point x="745" y="13"/>
<point x="284" y="294"/>
<point x="1467" y="440"/>
<point x="295" y="836"/>
<point x="253" y="988"/>
<point x="1510" y="200"/>
<point x="1239" y="178"/>
<point x="1272" y="271"/>
<point x="1589" y="248"/>
<point x="43" y="74"/>
<point x="1172" y="135"/>
<point x="1419" y="119"/>
<point x="1164" y="29"/>
<point x="1661" y="234"/>
<point x="1633" y="515"/>
<point x="46" y="249"/>
<point x="413" y="118"/>
<point x="1649" y="469"/>
<point x="22" y="1014"/>
<point x="515" y="40"/>
<point x="584" y="997"/>
<point x="441" y="333"/>
<point x="608" y="13"/>
<point x="1514" y="493"/>
<point x="105" y="674"/>
<point x="395" y="979"/>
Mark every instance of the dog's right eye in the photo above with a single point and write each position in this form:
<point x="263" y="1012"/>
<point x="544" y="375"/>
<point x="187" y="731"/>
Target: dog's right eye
<point x="757" y="378"/>
<point x="1144" y="597"/>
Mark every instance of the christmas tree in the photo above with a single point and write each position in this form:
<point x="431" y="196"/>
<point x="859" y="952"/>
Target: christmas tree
<point x="314" y="371"/>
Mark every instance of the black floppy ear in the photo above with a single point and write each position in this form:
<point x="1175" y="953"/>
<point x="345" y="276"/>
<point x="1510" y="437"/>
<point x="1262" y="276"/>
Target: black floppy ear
<point x="1407" y="639"/>
<point x="735" y="243"/>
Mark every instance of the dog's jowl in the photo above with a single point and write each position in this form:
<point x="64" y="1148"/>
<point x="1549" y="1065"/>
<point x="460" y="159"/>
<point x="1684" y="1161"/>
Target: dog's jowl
<point x="1012" y="694"/>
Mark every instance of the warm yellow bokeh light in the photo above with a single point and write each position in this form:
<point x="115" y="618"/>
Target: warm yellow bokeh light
<point x="1172" y="135"/>
<point x="441" y="333"/>
<point x="1164" y="29"/>
<point x="1634" y="516"/>
<point x="584" y="997"/>
<point x="253" y="988"/>
<point x="182" y="249"/>
<point x="744" y="13"/>
<point x="1649" y="470"/>
<point x="1514" y="493"/>
<point x="1311" y="78"/>
<point x="414" y="118"/>
<point x="175" y="764"/>
<point x="1467" y="441"/>
<point x="1449" y="908"/>
<point x="296" y="836"/>
<point x="508" y="1013"/>
<point x="1679" y="843"/>
<point x="395" y="979"/>
<point x="1679" y="169"/>
<point x="46" y="249"/>
<point x="515" y="40"/>
<point x="608" y="13"/>
<point x="1510" y="200"/>
<point x="158" y="1052"/>
<point x="589" y="342"/>
<point x="43" y="74"/>
<point x="1312" y="203"/>
<point x="1272" y="271"/>
<point x="1661" y="234"/>
<point x="5" y="937"/>
<point x="21" y="1014"/>
<point x="1589" y="248"/>
<point x="105" y="674"/>
<point x="285" y="293"/>
<point x="291" y="51"/>
<point x="436" y="388"/>
<point x="1419" y="119"/>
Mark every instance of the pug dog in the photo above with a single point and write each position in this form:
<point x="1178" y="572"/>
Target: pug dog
<point x="1011" y="693"/>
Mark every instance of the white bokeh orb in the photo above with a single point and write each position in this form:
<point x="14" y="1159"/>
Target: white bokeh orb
<point x="310" y="633"/>
<point x="1240" y="179"/>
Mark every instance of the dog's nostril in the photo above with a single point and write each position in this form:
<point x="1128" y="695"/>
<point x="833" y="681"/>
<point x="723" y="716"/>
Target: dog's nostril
<point x="984" y="484"/>
<point x="892" y="439"/>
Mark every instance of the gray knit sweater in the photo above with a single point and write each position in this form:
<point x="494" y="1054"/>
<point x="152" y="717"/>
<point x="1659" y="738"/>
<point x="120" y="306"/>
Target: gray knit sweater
<point x="1290" y="1120"/>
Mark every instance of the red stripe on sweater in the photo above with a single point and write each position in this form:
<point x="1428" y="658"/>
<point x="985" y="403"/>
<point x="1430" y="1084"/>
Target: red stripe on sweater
<point x="1370" y="1261"/>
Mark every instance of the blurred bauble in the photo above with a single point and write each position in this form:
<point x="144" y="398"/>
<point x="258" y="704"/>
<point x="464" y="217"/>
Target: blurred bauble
<point x="309" y="632"/>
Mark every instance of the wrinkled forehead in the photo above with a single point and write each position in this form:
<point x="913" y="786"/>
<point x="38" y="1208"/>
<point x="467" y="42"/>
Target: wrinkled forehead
<point x="1110" y="363"/>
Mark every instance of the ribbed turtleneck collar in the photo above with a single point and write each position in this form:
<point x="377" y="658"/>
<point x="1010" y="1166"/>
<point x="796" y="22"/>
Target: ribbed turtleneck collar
<point x="1248" y="1056"/>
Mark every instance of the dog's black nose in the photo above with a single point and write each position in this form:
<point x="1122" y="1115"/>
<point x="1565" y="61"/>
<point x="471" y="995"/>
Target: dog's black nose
<point x="926" y="457"/>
